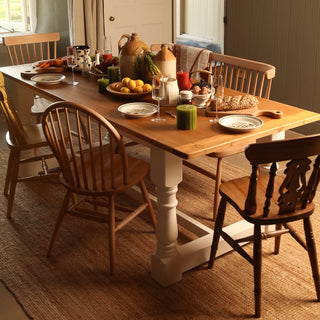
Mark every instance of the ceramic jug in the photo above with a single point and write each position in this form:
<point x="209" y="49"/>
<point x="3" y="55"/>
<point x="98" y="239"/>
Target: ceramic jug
<point x="166" y="62"/>
<point x="171" y="92"/>
<point x="82" y="56"/>
<point x="127" y="51"/>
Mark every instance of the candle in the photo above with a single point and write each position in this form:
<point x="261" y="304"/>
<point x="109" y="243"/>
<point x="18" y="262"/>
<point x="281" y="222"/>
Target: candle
<point x="186" y="117"/>
<point x="183" y="80"/>
<point x="102" y="85"/>
<point x="113" y="74"/>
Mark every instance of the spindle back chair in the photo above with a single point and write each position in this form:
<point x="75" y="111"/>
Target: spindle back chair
<point x="95" y="166"/>
<point x="245" y="76"/>
<point x="23" y="138"/>
<point x="274" y="199"/>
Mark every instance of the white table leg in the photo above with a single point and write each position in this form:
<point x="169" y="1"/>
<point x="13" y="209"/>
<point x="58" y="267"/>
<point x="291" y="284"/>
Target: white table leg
<point x="166" y="173"/>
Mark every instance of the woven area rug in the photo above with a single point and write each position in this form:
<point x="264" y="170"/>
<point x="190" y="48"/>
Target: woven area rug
<point x="75" y="283"/>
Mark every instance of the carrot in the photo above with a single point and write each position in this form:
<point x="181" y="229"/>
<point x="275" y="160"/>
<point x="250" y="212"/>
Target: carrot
<point x="46" y="65"/>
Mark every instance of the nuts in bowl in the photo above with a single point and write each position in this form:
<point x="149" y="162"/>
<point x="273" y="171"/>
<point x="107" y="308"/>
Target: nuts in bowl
<point x="200" y="95"/>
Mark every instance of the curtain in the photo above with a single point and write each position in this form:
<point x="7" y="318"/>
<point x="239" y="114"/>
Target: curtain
<point x="33" y="15"/>
<point x="86" y="23"/>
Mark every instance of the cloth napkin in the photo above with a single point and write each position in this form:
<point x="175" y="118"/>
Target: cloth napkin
<point x="191" y="58"/>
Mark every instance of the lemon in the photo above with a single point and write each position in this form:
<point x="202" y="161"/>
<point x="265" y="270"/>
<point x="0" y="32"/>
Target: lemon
<point x="118" y="86"/>
<point x="131" y="84"/>
<point x="125" y="81"/>
<point x="125" y="90"/>
<point x="138" y="89"/>
<point x="139" y="83"/>
<point x="147" y="87"/>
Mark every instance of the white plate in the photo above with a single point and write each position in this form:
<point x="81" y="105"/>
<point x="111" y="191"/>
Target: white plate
<point x="240" y="123"/>
<point x="138" y="109"/>
<point x="48" y="78"/>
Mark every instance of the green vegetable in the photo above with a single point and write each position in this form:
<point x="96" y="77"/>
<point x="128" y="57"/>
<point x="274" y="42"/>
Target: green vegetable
<point x="144" y="66"/>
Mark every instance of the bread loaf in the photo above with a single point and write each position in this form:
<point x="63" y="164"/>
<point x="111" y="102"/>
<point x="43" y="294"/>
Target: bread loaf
<point x="237" y="102"/>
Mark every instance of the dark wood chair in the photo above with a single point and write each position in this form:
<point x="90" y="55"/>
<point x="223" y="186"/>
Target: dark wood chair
<point x="271" y="199"/>
<point x="22" y="141"/>
<point x="95" y="167"/>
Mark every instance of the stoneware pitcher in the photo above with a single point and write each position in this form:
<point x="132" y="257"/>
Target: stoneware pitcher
<point x="127" y="45"/>
<point x="172" y="92"/>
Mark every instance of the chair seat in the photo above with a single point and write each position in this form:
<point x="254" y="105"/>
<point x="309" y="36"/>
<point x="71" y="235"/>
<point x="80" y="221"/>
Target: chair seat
<point x="33" y="135"/>
<point x="236" y="191"/>
<point x="136" y="169"/>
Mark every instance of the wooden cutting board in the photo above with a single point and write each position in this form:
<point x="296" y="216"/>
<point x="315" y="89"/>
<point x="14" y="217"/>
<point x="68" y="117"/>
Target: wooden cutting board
<point x="277" y="114"/>
<point x="50" y="69"/>
<point x="28" y="74"/>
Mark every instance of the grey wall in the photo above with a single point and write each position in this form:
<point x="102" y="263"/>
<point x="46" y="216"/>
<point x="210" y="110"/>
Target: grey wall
<point x="52" y="16"/>
<point x="285" y="34"/>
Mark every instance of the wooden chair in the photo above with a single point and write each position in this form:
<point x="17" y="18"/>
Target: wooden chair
<point x="271" y="199"/>
<point x="22" y="140"/>
<point x="96" y="169"/>
<point x="32" y="47"/>
<point x="245" y="76"/>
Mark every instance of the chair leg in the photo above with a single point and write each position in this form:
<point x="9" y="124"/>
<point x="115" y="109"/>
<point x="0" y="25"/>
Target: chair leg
<point x="61" y="216"/>
<point x="277" y="240"/>
<point x="257" y="262"/>
<point x="217" y="231"/>
<point x="312" y="254"/>
<point x="13" y="181"/>
<point x="216" y="190"/>
<point x="9" y="173"/>
<point x="147" y="200"/>
<point x="112" y="233"/>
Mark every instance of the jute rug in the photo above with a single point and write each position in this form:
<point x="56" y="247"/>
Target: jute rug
<point x="75" y="283"/>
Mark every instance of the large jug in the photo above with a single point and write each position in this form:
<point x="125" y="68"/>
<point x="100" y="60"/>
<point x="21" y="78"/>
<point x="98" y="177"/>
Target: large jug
<point x="166" y="62"/>
<point x="127" y="53"/>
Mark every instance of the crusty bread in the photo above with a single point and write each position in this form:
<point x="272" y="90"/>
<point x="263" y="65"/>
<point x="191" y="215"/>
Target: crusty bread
<point x="237" y="102"/>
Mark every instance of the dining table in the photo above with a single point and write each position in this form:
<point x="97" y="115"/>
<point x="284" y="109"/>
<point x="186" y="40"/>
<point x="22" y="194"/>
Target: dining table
<point x="168" y="148"/>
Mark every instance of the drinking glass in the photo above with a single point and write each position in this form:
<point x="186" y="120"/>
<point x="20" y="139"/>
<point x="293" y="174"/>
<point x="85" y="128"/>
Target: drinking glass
<point x="107" y="50"/>
<point x="158" y="93"/>
<point x="71" y="62"/>
<point x="218" y="85"/>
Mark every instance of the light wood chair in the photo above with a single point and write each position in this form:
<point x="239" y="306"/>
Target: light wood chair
<point x="96" y="169"/>
<point x="22" y="140"/>
<point x="32" y="47"/>
<point x="271" y="199"/>
<point x="245" y="76"/>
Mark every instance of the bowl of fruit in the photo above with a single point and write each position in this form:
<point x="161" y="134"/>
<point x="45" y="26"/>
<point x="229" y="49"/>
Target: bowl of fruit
<point x="129" y="88"/>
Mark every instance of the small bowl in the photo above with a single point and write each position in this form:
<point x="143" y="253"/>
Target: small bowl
<point x="201" y="99"/>
<point x="96" y="76"/>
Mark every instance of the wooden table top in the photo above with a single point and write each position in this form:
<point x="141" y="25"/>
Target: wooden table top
<point x="183" y="143"/>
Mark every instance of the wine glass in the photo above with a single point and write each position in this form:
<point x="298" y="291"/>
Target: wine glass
<point x="217" y="87"/>
<point x="71" y="62"/>
<point x="158" y="93"/>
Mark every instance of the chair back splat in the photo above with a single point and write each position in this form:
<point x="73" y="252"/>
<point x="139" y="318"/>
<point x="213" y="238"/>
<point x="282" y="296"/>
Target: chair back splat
<point x="295" y="191"/>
